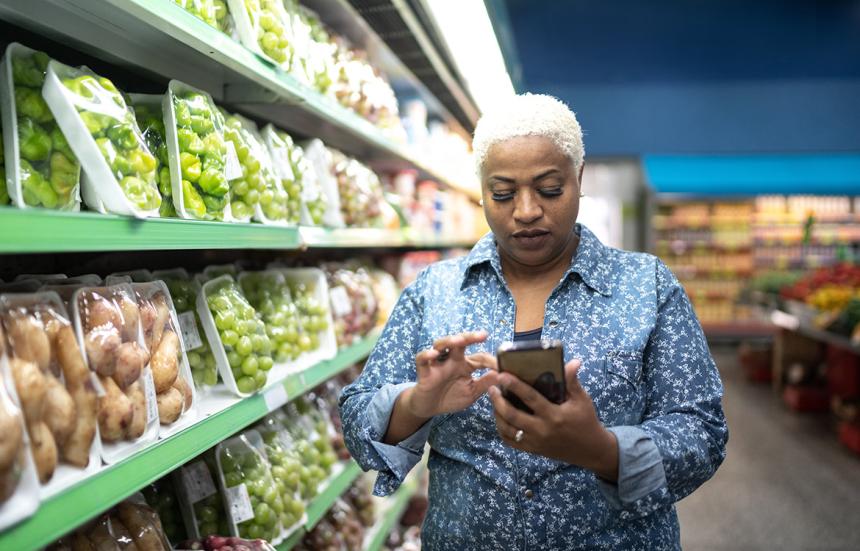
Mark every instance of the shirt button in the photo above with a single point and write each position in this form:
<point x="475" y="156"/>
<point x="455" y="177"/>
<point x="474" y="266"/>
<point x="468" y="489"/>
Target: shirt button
<point x="553" y="323"/>
<point x="504" y="322"/>
<point x="529" y="494"/>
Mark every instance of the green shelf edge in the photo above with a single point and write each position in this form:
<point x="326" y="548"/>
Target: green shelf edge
<point x="392" y="515"/>
<point x="46" y="231"/>
<point x="336" y="487"/>
<point x="74" y="506"/>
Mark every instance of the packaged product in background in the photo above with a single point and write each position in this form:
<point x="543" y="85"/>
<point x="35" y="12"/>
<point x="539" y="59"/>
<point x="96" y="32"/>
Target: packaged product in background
<point x="320" y="161"/>
<point x="309" y="289"/>
<point x="119" y="170"/>
<point x="4" y="193"/>
<point x="360" y="192"/>
<point x="201" y="164"/>
<point x="162" y="497"/>
<point x="259" y="192"/>
<point x="297" y="176"/>
<point x="251" y="495"/>
<point x="148" y="111"/>
<point x="108" y="329"/>
<point x="353" y="304"/>
<point x="200" y="500"/>
<point x="263" y="28"/>
<point x="286" y="465"/>
<point x="130" y="525"/>
<point x="300" y="36"/>
<point x="217" y="270"/>
<point x="237" y="336"/>
<point x="386" y="291"/>
<point x="134" y="276"/>
<point x="45" y="278"/>
<point x="19" y="483"/>
<point x="42" y="170"/>
<point x="214" y="12"/>
<point x="290" y="510"/>
<point x="310" y="432"/>
<point x="56" y="390"/>
<point x="184" y="291"/>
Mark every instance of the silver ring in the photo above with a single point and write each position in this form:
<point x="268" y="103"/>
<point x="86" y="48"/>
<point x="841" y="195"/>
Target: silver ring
<point x="518" y="437"/>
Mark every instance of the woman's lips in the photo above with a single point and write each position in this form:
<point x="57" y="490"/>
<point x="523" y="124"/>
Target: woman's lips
<point x="531" y="239"/>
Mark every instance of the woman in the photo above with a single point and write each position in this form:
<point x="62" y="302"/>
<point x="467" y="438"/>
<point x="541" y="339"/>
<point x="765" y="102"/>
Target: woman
<point x="642" y="424"/>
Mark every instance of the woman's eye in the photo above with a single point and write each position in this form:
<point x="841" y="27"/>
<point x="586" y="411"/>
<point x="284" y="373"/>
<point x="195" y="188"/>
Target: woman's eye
<point x="502" y="195"/>
<point x="551" y="192"/>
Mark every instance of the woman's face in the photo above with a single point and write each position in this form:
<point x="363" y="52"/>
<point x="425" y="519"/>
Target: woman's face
<point x="531" y="198"/>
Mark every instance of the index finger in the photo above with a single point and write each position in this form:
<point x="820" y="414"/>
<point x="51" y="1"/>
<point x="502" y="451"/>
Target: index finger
<point x="456" y="344"/>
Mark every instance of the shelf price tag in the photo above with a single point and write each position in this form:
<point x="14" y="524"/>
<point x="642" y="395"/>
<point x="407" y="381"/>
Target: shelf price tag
<point x="197" y="482"/>
<point x="233" y="167"/>
<point x="190" y="334"/>
<point x="275" y="397"/>
<point x="340" y="302"/>
<point x="239" y="503"/>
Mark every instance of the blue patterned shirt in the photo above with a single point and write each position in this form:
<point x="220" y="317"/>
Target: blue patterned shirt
<point x="646" y="365"/>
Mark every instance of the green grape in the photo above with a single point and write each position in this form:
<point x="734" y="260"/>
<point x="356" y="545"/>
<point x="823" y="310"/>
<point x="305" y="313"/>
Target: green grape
<point x="184" y="291"/>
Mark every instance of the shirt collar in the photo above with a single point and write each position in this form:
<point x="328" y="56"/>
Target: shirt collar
<point x="590" y="262"/>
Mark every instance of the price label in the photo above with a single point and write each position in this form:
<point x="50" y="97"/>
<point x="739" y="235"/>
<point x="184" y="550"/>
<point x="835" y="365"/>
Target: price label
<point x="275" y="397"/>
<point x="151" y="398"/>
<point x="340" y="302"/>
<point x="240" y="504"/>
<point x="190" y="334"/>
<point x="197" y="482"/>
<point x="233" y="166"/>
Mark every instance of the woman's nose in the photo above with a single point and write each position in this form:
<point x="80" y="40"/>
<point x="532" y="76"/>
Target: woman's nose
<point x="526" y="208"/>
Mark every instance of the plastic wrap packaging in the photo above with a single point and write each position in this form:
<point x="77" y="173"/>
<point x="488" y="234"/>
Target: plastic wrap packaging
<point x="251" y="494"/>
<point x="297" y="176"/>
<point x="319" y="159"/>
<point x="286" y="467"/>
<point x="171" y="374"/>
<point x="161" y="496"/>
<point x="237" y="336"/>
<point x="131" y="525"/>
<point x="386" y="291"/>
<point x="361" y="198"/>
<point x="200" y="164"/>
<point x="214" y="12"/>
<point x="119" y="170"/>
<point x="309" y="289"/>
<point x="353" y="304"/>
<point x="259" y="192"/>
<point x="43" y="170"/>
<point x="148" y="111"/>
<point x="19" y="483"/>
<point x="184" y="291"/>
<point x="312" y="438"/>
<point x="57" y="391"/>
<point x="108" y="328"/>
<point x="4" y="193"/>
<point x="202" y="505"/>
<point x="263" y="28"/>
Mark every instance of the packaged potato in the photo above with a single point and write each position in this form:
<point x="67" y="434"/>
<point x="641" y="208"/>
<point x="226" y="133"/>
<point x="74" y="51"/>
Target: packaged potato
<point x="19" y="484"/>
<point x="108" y="327"/>
<point x="57" y="391"/>
<point x="131" y="525"/>
<point x="43" y="170"/>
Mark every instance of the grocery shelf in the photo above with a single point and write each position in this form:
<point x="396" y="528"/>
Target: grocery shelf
<point x="46" y="231"/>
<point x="790" y="322"/>
<point x="337" y="485"/>
<point x="157" y="37"/>
<point x="375" y="539"/>
<point x="69" y="509"/>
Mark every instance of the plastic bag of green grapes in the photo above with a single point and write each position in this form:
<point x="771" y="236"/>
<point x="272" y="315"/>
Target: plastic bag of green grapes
<point x="245" y="354"/>
<point x="264" y="28"/>
<point x="161" y="496"/>
<point x="269" y="294"/>
<point x="313" y="314"/>
<point x="259" y="191"/>
<point x="254" y="505"/>
<point x="48" y="173"/>
<point x="150" y="119"/>
<point x="213" y="12"/>
<point x="4" y="195"/>
<point x="284" y="463"/>
<point x="184" y="290"/>
<point x="202" y="504"/>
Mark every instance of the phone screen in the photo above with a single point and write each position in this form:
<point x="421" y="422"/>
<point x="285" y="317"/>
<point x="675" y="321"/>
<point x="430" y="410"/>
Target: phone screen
<point x="539" y="364"/>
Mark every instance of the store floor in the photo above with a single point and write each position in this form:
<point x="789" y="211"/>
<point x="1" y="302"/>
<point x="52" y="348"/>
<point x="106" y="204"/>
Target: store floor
<point x="786" y="482"/>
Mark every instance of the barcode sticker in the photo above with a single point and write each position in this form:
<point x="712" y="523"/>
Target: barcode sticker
<point x="240" y="504"/>
<point x="197" y="481"/>
<point x="233" y="167"/>
<point x="340" y="302"/>
<point x="151" y="398"/>
<point x="190" y="334"/>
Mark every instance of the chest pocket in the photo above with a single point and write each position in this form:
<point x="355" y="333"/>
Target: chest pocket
<point x="622" y="399"/>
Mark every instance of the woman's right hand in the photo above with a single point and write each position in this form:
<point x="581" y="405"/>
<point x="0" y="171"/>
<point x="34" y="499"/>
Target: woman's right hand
<point x="445" y="383"/>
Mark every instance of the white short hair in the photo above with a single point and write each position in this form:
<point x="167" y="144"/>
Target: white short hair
<point x="529" y="115"/>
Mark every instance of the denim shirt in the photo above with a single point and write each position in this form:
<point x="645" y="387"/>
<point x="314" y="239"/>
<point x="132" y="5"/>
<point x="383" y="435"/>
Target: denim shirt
<point x="645" y="364"/>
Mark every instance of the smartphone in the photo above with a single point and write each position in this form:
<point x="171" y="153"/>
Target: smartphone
<point x="537" y="363"/>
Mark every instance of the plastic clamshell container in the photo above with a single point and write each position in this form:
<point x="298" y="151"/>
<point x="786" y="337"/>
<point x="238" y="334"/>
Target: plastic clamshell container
<point x="247" y="30"/>
<point x="10" y="131"/>
<point x="175" y="87"/>
<point x="103" y="188"/>
<point x="65" y="475"/>
<point x="114" y="452"/>
<point x="137" y="276"/>
<point x="320" y="159"/>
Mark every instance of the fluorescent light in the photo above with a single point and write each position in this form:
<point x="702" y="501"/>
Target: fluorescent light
<point x="467" y="31"/>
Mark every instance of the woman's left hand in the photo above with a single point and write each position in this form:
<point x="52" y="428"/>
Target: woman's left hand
<point x="569" y="432"/>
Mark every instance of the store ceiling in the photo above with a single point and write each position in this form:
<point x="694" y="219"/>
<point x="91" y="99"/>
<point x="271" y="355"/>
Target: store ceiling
<point x="710" y="76"/>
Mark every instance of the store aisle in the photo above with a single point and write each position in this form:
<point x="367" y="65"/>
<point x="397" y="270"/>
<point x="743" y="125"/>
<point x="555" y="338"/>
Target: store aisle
<point x="786" y="483"/>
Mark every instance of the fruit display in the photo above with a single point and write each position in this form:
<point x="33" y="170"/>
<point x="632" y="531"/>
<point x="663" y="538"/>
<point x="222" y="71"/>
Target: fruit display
<point x="386" y="291"/>
<point x="213" y="12"/>
<point x="826" y="288"/>
<point x="270" y="296"/>
<point x="111" y="123"/>
<point x="255" y="505"/>
<point x="258" y="192"/>
<point x="262" y="26"/>
<point x="13" y="455"/>
<point x="296" y="175"/>
<point x="312" y="439"/>
<point x="161" y="496"/>
<point x="222" y="543"/>
<point x="313" y="313"/>
<point x="353" y="304"/>
<point x="360" y="191"/>
<point x="130" y="525"/>
<point x="109" y="325"/>
<point x="198" y="154"/>
<point x="184" y="290"/>
<point x="286" y="465"/>
<point x="55" y="387"/>
<point x="48" y="171"/>
<point x="246" y="346"/>
<point x="150" y="119"/>
<point x="199" y="497"/>
<point x="163" y="345"/>
<point x="340" y="530"/>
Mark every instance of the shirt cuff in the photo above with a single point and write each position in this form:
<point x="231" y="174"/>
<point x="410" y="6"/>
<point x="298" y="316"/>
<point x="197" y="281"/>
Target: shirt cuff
<point x="399" y="458"/>
<point x="640" y="468"/>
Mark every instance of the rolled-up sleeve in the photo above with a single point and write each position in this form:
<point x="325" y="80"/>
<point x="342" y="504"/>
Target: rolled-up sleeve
<point x="682" y="439"/>
<point x="367" y="403"/>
